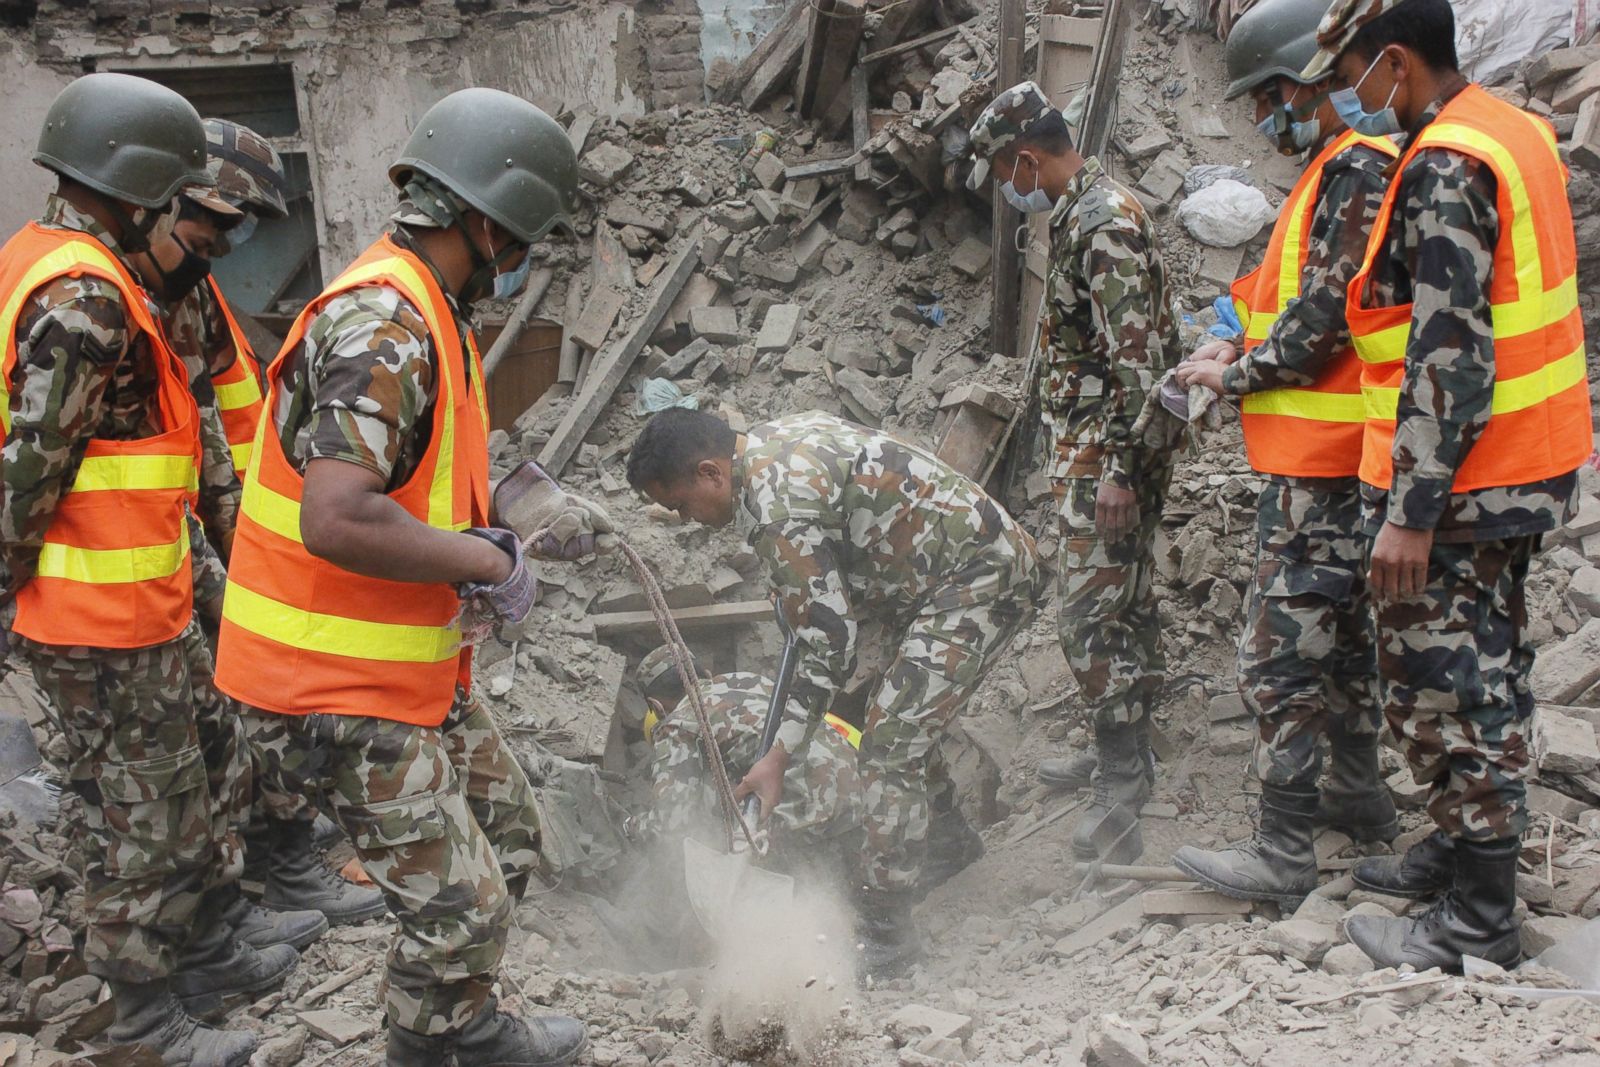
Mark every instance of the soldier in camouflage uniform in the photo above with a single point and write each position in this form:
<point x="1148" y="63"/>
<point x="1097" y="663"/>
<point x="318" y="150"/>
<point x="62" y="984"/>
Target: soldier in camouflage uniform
<point x="154" y="750"/>
<point x="250" y="180"/>
<point x="442" y="817"/>
<point x="1451" y="550"/>
<point x="1307" y="655"/>
<point x="817" y="821"/>
<point x="1108" y="337"/>
<point x="851" y="524"/>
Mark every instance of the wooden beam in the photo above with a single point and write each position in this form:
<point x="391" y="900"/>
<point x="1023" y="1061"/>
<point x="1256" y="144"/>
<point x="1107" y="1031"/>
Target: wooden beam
<point x="813" y="54"/>
<point x="912" y="45"/>
<point x="830" y="99"/>
<point x="760" y="73"/>
<point x="710" y="617"/>
<point x="611" y="365"/>
<point x="860" y="119"/>
<point x="822" y="168"/>
<point x="1095" y="134"/>
<point x="532" y="292"/>
<point x="1006" y="279"/>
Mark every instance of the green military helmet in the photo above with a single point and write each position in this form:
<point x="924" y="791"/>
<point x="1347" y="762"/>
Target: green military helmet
<point x="500" y="154"/>
<point x="246" y="168"/>
<point x="1274" y="39"/>
<point x="125" y="137"/>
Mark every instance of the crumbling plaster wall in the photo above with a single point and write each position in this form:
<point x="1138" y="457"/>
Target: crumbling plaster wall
<point x="363" y="77"/>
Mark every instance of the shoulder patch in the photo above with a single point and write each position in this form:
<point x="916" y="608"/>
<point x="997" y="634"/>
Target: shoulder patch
<point x="1105" y="202"/>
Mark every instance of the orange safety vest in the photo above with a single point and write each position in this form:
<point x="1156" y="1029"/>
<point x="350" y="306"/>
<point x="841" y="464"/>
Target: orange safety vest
<point x="1539" y="422"/>
<point x="301" y="634"/>
<point x="238" y="389"/>
<point x="1314" y="432"/>
<point x="839" y="726"/>
<point x="114" y="570"/>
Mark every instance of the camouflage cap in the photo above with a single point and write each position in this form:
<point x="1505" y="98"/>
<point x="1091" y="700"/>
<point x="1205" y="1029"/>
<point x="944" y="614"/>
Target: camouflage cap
<point x="1338" y="28"/>
<point x="1007" y="117"/>
<point x="657" y="673"/>
<point x="247" y="169"/>
<point x="211" y="200"/>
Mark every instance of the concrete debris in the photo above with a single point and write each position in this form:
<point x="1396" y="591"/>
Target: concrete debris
<point x="1301" y="939"/>
<point x="1116" y="1044"/>
<point x="1564" y="744"/>
<point x="605" y="165"/>
<point x="780" y="329"/>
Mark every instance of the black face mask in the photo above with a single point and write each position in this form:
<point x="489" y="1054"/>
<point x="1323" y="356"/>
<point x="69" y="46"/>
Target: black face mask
<point x="181" y="280"/>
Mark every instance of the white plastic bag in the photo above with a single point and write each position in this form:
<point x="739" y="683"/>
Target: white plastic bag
<point x="1226" y="213"/>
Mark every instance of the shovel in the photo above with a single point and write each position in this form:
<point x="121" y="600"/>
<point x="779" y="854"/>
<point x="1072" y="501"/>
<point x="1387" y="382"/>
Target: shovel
<point x="721" y="882"/>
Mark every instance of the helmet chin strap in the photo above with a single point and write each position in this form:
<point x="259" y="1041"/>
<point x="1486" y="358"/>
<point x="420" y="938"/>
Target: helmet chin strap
<point x="480" y="283"/>
<point x="134" y="237"/>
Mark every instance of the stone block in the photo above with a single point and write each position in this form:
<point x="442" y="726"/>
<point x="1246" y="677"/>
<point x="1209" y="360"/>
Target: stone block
<point x="737" y="216"/>
<point x="903" y="244"/>
<point x="694" y="190"/>
<point x="1226" y="707"/>
<point x="802" y="362"/>
<point x="1320" y="910"/>
<point x="719" y="325"/>
<point x="339" y="1027"/>
<point x="770" y="269"/>
<point x="1542" y="800"/>
<point x="912" y="1022"/>
<point x="972" y="257"/>
<point x="1584" y="591"/>
<point x="1116" y="1044"/>
<point x="605" y="164"/>
<point x="780" y="329"/>
<point x="1346" y="960"/>
<point x="768" y="170"/>
<point x="1148" y="145"/>
<point x="1539" y="932"/>
<point x="1226" y="739"/>
<point x="1585" y="135"/>
<point x="864" y="396"/>
<point x="1584" y="524"/>
<point x="1405" y="790"/>
<point x="1302" y="939"/>
<point x="656" y="222"/>
<point x="1565" y="744"/>
<point x="766" y="204"/>
<point x="1163" y="179"/>
<point x="799" y="196"/>
<point x="1561" y="673"/>
<point x="1220" y="267"/>
<point x="811" y="246"/>
<point x="1366" y="902"/>
<point x="1577" y="88"/>
<point x="1558" y="64"/>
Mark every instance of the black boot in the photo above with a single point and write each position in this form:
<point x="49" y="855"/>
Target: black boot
<point x="1277" y="863"/>
<point x="325" y="833"/>
<point x="953" y="846"/>
<point x="149" y="1015"/>
<point x="1354" y="798"/>
<point x="407" y="1048"/>
<point x="216" y="965"/>
<point x="492" y="1039"/>
<point x="298" y="879"/>
<point x="1109" y="830"/>
<point x="1425" y="869"/>
<point x="1074" y="773"/>
<point x="886" y="933"/>
<point x="260" y="928"/>
<point x="1475" y="918"/>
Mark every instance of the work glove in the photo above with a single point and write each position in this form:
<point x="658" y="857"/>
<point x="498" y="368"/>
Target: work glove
<point x="528" y="500"/>
<point x="485" y="606"/>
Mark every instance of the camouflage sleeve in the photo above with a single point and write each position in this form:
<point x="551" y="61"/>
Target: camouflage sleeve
<point x="210" y="574"/>
<point x="1312" y="330"/>
<point x="70" y="337"/>
<point x="1451" y="226"/>
<point x="372" y="375"/>
<point x="677" y="782"/>
<point x="192" y="333"/>
<point x="1116" y="260"/>
<point x="804" y="563"/>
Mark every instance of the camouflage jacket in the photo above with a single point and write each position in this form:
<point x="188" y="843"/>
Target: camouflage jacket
<point x="1312" y="331"/>
<point x="78" y="375"/>
<point x="200" y="336"/>
<point x="821" y="798"/>
<point x="850" y="523"/>
<point x="1439" y="254"/>
<point x="361" y="388"/>
<point x="1108" y="334"/>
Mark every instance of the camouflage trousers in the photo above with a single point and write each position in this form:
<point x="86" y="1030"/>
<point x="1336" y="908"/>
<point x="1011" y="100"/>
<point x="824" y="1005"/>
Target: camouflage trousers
<point x="156" y="753"/>
<point x="1308" y="661"/>
<point x="944" y="654"/>
<point x="1454" y="664"/>
<point x="444" y="822"/>
<point x="1108" y="624"/>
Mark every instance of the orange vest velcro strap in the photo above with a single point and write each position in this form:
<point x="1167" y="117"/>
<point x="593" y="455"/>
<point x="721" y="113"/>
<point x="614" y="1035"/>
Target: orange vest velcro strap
<point x="301" y="634"/>
<point x="240" y="400"/>
<point x="113" y="570"/>
<point x="1315" y="431"/>
<point x="1539" y="423"/>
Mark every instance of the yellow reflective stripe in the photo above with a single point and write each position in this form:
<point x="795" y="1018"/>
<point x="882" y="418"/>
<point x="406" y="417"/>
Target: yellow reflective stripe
<point x="72" y="254"/>
<point x="1308" y="404"/>
<point x="113" y="566"/>
<point x="1293" y="247"/>
<point x="851" y="734"/>
<point x="337" y="635"/>
<point x="441" y="494"/>
<point x="241" y="455"/>
<point x="270" y="509"/>
<point x="1510" y="395"/>
<point x="111" y="473"/>
<point x="1383" y="346"/>
<point x="239" y="394"/>
<point x="1259" y="326"/>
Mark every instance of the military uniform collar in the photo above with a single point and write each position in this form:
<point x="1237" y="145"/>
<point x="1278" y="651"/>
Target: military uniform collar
<point x="1090" y="173"/>
<point x="1430" y="113"/>
<point x="60" y="214"/>
<point x="744" y="518"/>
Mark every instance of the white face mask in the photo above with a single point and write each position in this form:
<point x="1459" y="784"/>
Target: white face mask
<point x="1034" y="203"/>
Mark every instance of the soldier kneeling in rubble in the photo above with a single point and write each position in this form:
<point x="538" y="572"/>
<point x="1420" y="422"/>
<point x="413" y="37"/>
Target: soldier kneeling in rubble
<point x="852" y="525"/>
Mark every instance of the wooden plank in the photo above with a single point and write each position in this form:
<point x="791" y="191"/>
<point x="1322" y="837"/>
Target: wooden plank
<point x="1095" y="133"/>
<point x="612" y="265"/>
<point x="609" y="367"/>
<point x="1094" y="931"/>
<point x="860" y="120"/>
<point x="710" y="617"/>
<point x="898" y="17"/>
<point x="570" y="353"/>
<point x="780" y="47"/>
<point x="816" y="211"/>
<point x="1192" y="902"/>
<point x="578" y="131"/>
<point x="912" y="45"/>
<point x="1005" y="279"/>
<point x="831" y="97"/>
<point x="812" y="55"/>
<point x="599" y="315"/>
<point x="822" y="168"/>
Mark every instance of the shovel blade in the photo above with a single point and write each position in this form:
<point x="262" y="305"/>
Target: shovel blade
<point x="722" y="884"/>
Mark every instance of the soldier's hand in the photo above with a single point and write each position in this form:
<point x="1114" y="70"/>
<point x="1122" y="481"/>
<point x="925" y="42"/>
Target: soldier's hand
<point x="1116" y="511"/>
<point x="1399" y="562"/>
<point x="1220" y="351"/>
<point x="765" y="780"/>
<point x="1206" y="372"/>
